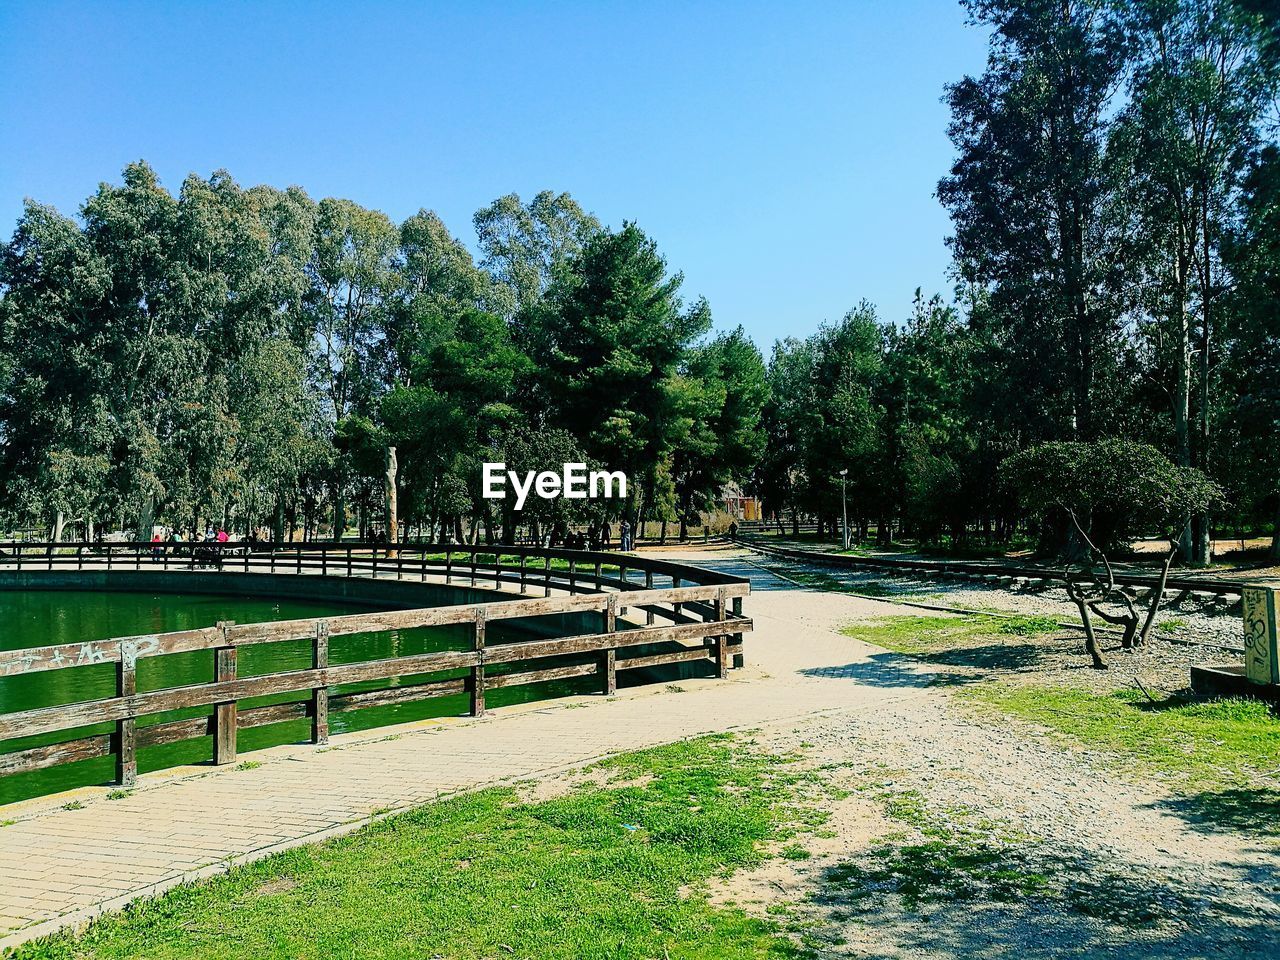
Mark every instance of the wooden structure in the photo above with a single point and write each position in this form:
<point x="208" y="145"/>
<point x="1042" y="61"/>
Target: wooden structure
<point x="648" y="613"/>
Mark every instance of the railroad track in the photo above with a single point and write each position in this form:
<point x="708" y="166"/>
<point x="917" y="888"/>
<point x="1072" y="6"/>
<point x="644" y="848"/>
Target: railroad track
<point x="966" y="570"/>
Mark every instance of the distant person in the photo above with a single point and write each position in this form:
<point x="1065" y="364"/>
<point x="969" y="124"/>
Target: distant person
<point x="605" y="532"/>
<point x="222" y="536"/>
<point x="624" y="536"/>
<point x="209" y="534"/>
<point x="157" y="546"/>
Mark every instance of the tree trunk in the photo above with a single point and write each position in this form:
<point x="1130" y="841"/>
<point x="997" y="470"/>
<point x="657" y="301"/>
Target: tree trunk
<point x="393" y="514"/>
<point x="59" y="524"/>
<point x="146" y="518"/>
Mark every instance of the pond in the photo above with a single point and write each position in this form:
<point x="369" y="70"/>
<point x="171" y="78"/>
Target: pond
<point x="44" y="617"/>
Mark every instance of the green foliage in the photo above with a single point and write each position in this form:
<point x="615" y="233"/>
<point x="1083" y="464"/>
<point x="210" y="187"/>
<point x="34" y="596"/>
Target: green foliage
<point x="246" y="356"/>
<point x="1117" y="489"/>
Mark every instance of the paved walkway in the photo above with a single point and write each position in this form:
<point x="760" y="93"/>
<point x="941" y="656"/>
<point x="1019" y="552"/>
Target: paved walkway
<point x="61" y="866"/>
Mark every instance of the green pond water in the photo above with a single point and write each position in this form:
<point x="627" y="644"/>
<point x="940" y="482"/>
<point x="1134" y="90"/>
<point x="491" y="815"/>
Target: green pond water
<point x="43" y="617"/>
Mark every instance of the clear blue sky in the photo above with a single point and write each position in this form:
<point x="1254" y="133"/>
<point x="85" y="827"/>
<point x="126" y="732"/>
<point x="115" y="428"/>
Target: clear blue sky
<point x="783" y="155"/>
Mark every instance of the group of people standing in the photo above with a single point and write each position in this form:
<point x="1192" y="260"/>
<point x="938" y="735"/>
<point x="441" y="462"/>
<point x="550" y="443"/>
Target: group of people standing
<point x="595" y="537"/>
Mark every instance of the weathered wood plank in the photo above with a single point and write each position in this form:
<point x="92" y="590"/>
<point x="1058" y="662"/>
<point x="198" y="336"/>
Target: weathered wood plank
<point x="127" y="728"/>
<point x="477" y="684"/>
<point x="224" y="712"/>
<point x="539" y="676"/>
<point x="320" y="694"/>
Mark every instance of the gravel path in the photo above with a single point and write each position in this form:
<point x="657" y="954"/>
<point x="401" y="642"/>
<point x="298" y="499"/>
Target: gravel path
<point x="1161" y="887"/>
<point x="1128" y="869"/>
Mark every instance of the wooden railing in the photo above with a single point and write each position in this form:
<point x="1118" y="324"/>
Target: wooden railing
<point x="698" y="616"/>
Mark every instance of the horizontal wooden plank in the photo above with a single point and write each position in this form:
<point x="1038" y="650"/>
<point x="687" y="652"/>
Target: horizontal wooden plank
<point x="37" y="758"/>
<point x="541" y="676"/>
<point x="671" y="656"/>
<point x="397" y="695"/>
<point x="599" y="642"/>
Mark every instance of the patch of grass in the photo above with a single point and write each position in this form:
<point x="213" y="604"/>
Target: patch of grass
<point x="931" y="634"/>
<point x="1028" y="626"/>
<point x="73" y="805"/>
<point x="1171" y="625"/>
<point x="918" y="634"/>
<point x="249" y="765"/>
<point x="1197" y="743"/>
<point x="613" y="871"/>
<point x="119" y="794"/>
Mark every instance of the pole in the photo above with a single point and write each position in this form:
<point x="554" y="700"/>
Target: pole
<point x="844" y="508"/>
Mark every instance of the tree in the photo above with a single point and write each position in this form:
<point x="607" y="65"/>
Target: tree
<point x="1201" y="86"/>
<point x="526" y="246"/>
<point x="607" y="344"/>
<point x="1112" y="490"/>
<point x="1253" y="335"/>
<point x="1032" y="207"/>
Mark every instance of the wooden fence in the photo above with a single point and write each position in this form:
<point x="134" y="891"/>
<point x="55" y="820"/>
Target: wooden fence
<point x="689" y="615"/>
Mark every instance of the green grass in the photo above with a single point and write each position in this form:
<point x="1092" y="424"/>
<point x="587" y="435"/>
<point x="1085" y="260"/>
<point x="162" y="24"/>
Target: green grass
<point x="1198" y="744"/>
<point x="614" y="871"/>
<point x="930" y="634"/>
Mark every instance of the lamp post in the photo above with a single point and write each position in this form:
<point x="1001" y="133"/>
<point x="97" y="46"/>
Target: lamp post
<point x="844" y="507"/>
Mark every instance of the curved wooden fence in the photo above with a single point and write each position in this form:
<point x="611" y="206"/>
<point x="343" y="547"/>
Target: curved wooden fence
<point x="650" y="613"/>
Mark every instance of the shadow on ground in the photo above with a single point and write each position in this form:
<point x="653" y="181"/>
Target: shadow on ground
<point x="932" y="898"/>
<point x="1237" y="810"/>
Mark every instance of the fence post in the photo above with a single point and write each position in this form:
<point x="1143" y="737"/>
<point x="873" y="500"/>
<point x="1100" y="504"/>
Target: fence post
<point x="546" y="577"/>
<point x="676" y="607"/>
<point x="127" y="729"/>
<point x="722" y="639"/>
<point x="524" y="576"/>
<point x="224" y="714"/>
<point x="648" y="585"/>
<point x="609" y="664"/>
<point x="738" y="659"/>
<point x="448" y="565"/>
<point x="320" y="693"/>
<point x="477" y="672"/>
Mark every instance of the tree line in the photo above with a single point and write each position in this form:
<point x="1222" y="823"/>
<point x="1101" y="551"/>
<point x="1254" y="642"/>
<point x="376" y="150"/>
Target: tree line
<point x="245" y="356"/>
<point x="1116" y="208"/>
